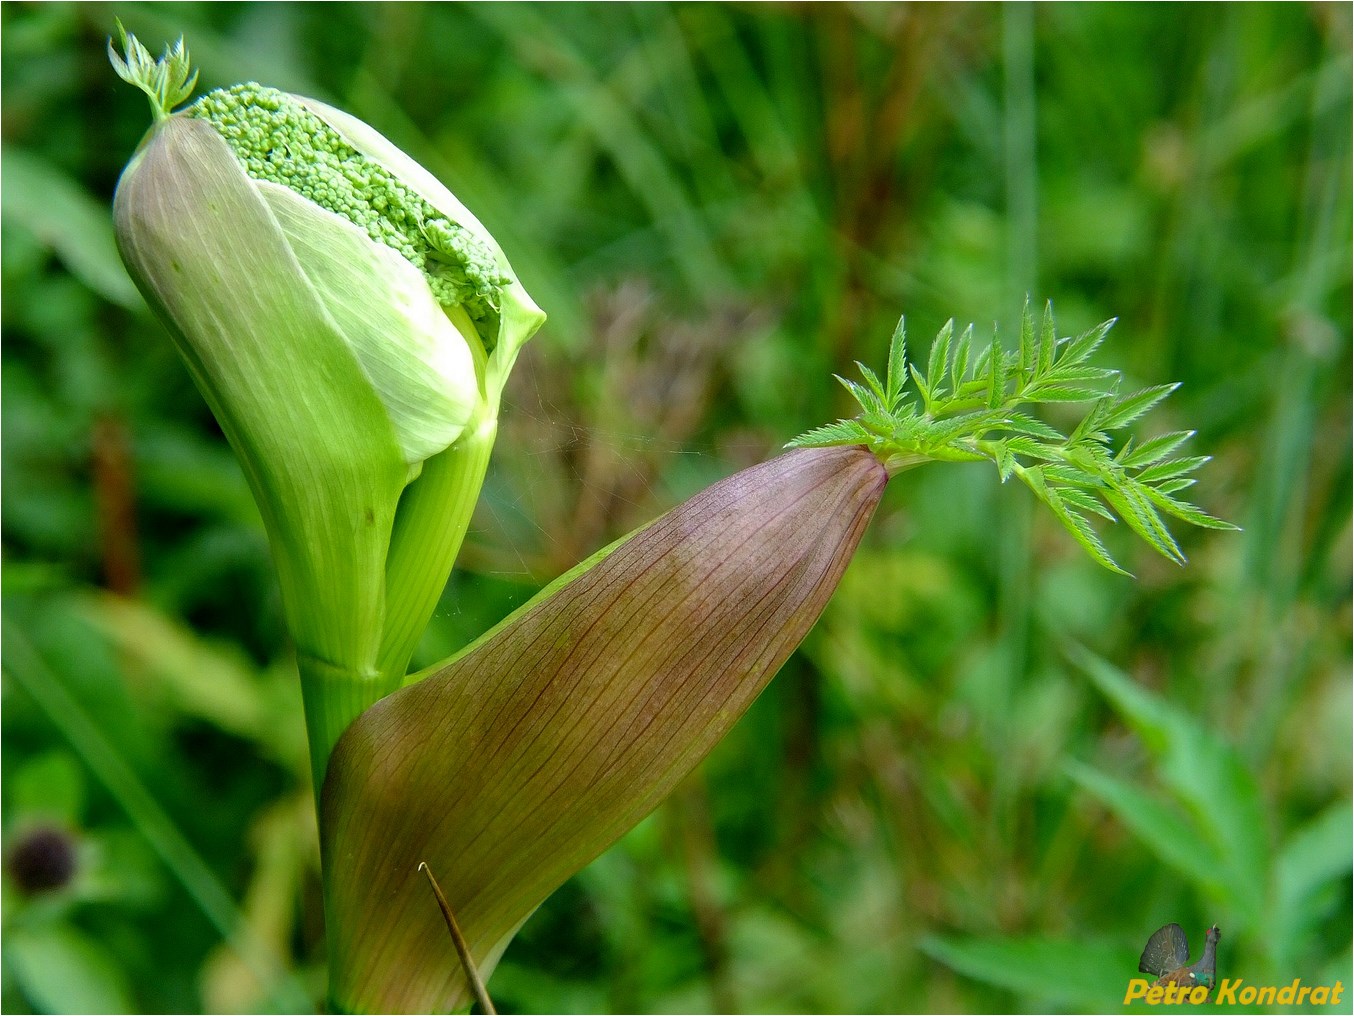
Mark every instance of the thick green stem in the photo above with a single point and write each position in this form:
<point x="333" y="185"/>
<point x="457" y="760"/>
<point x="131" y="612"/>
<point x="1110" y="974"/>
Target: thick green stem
<point x="431" y="521"/>
<point x="334" y="697"/>
<point x="430" y="525"/>
<point x="901" y="461"/>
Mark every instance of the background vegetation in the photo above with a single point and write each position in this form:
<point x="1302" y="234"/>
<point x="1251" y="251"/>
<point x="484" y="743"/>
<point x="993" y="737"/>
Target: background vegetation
<point x="994" y="769"/>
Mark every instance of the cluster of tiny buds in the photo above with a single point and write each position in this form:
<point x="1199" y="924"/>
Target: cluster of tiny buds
<point x="279" y="141"/>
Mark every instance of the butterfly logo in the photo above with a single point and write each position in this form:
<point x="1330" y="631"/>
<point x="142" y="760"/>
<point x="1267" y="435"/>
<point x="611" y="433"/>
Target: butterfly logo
<point x="1166" y="957"/>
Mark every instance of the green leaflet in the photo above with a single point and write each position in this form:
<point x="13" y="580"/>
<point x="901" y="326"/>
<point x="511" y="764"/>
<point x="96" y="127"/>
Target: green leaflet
<point x="972" y="410"/>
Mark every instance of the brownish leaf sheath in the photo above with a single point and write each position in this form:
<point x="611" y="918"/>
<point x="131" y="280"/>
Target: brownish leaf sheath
<point x="528" y="755"/>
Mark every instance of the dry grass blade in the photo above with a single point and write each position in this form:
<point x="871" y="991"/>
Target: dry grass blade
<point x="472" y="975"/>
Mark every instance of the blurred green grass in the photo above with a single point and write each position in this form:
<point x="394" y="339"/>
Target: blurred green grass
<point x="993" y="770"/>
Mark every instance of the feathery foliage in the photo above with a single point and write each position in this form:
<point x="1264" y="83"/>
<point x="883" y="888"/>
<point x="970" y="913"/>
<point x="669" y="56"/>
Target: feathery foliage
<point x="969" y="407"/>
<point x="167" y="81"/>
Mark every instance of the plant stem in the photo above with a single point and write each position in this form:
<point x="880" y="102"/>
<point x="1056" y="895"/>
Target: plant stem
<point x="901" y="462"/>
<point x="430" y="525"/>
<point x="333" y="698"/>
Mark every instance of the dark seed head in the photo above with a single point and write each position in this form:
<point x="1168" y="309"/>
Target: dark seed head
<point x="42" y="859"/>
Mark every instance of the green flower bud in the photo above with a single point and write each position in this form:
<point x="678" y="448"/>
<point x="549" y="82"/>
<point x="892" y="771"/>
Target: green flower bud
<point x="523" y="758"/>
<point x="351" y="326"/>
<point x="340" y="164"/>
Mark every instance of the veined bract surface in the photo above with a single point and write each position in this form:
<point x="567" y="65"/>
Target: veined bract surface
<point x="516" y="763"/>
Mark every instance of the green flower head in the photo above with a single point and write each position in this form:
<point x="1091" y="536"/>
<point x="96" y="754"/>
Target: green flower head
<point x="351" y="325"/>
<point x="285" y="140"/>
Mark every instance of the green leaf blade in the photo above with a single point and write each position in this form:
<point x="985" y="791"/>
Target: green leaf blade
<point x="1187" y="512"/>
<point x="997" y="377"/>
<point x="865" y="398"/>
<point x="975" y="407"/>
<point x="1048" y="342"/>
<point x="1079" y="349"/>
<point x="1073" y="974"/>
<point x="1075" y="523"/>
<point x="940" y="357"/>
<point x="843" y="432"/>
<point x="921" y="384"/>
<point x="1029" y="349"/>
<point x="1170" y="469"/>
<point x="896" y="373"/>
<point x="1128" y="408"/>
<point x="1064" y="393"/>
<point x="1023" y="423"/>
<point x="872" y="380"/>
<point x="1155" y="449"/>
<point x="1142" y="518"/>
<point x="959" y="364"/>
